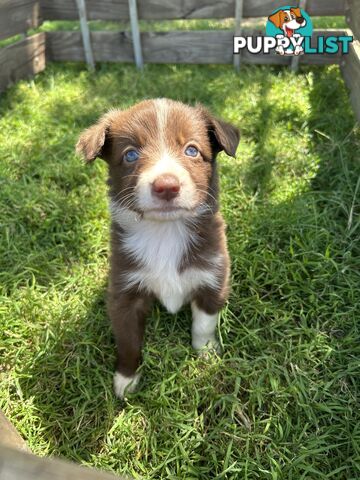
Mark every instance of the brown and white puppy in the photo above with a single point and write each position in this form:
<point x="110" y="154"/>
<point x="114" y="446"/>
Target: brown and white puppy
<point x="167" y="238"/>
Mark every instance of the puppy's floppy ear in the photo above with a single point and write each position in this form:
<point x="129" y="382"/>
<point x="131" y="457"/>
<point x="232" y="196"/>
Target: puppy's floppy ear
<point x="276" y="18"/>
<point x="223" y="135"/>
<point x="92" y="141"/>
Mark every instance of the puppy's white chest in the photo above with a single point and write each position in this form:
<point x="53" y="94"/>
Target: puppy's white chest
<point x="171" y="288"/>
<point x="159" y="248"/>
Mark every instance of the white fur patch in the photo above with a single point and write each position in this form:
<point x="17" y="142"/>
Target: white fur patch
<point x="124" y="384"/>
<point x="166" y="164"/>
<point x="159" y="247"/>
<point x="162" y="108"/>
<point x="203" y="328"/>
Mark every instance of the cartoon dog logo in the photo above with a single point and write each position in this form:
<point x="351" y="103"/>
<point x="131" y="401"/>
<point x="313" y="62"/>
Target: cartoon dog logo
<point x="288" y="20"/>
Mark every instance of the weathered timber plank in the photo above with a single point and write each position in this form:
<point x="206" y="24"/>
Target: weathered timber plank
<point x="169" y="9"/>
<point x="22" y="59"/>
<point x="350" y="67"/>
<point x="106" y="46"/>
<point x="17" y="16"/>
<point x="352" y="13"/>
<point x="9" y="436"/>
<point x="197" y="47"/>
<point x="15" y="465"/>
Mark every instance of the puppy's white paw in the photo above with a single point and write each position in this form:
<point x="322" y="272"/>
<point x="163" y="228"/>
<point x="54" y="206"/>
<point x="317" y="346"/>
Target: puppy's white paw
<point x="204" y="350"/>
<point x="123" y="385"/>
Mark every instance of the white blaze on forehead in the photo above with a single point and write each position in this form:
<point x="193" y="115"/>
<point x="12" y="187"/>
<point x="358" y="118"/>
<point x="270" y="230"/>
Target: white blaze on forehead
<point x="162" y="109"/>
<point x="166" y="162"/>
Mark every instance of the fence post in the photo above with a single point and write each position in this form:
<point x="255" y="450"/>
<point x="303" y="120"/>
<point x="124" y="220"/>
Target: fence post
<point x="135" y="33"/>
<point x="238" y="19"/>
<point x="85" y="33"/>
<point x="294" y="65"/>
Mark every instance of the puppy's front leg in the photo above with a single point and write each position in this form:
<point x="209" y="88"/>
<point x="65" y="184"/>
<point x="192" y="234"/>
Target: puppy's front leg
<point x="205" y="306"/>
<point x="127" y="311"/>
<point x="205" y="312"/>
<point x="203" y="328"/>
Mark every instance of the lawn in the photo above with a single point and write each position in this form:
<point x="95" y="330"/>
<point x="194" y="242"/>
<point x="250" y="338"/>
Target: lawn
<point x="282" y="400"/>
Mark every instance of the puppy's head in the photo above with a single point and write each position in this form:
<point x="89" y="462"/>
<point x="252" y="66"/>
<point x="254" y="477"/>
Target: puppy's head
<point x="161" y="157"/>
<point x="288" y="20"/>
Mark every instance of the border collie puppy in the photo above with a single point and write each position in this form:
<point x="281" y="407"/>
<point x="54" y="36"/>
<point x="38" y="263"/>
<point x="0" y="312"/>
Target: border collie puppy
<point x="167" y="235"/>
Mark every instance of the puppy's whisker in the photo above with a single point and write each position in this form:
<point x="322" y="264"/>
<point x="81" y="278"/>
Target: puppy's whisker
<point x="123" y="191"/>
<point x="120" y="197"/>
<point x="124" y="197"/>
<point x="206" y="192"/>
<point x="126" y="204"/>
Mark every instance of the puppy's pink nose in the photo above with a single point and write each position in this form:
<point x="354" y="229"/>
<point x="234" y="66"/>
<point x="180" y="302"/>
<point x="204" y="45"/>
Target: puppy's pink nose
<point x="166" y="187"/>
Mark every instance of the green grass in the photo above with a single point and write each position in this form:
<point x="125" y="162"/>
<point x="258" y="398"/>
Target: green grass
<point x="282" y="401"/>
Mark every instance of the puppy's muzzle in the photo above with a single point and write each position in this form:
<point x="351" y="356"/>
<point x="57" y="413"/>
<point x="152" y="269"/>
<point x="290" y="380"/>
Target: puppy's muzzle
<point x="165" y="187"/>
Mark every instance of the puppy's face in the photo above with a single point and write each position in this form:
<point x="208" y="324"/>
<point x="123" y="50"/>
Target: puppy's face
<point x="288" y="20"/>
<point x="161" y="157"/>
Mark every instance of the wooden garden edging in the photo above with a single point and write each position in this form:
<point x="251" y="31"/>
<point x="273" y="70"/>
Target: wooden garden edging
<point x="9" y="436"/>
<point x="17" y="465"/>
<point x="16" y="461"/>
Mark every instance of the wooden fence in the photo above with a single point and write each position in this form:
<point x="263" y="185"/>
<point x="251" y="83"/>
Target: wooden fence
<point x="350" y="64"/>
<point x="28" y="56"/>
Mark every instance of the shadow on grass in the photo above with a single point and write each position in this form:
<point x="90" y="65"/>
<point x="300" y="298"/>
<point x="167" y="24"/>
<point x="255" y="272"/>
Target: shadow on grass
<point x="75" y="371"/>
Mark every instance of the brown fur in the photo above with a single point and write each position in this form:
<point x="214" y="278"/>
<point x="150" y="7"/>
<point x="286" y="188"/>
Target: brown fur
<point x="109" y="139"/>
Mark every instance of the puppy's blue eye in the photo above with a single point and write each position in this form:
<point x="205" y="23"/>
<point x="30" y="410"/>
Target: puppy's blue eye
<point x="191" y="151"/>
<point x="131" y="156"/>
